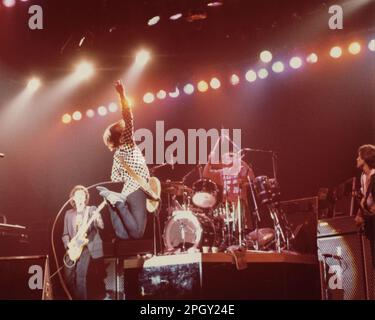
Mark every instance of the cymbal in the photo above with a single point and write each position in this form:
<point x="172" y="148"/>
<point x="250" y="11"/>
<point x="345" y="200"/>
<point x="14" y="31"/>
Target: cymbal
<point x="175" y="187"/>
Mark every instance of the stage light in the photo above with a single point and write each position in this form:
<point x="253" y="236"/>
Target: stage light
<point x="312" y="58"/>
<point x="102" y="111"/>
<point x="278" y="67"/>
<point x="77" y="116"/>
<point x="33" y="85"/>
<point x="371" y="45"/>
<point x="251" y="76"/>
<point x="262" y="73"/>
<point x="161" y="94"/>
<point x="90" y="113"/>
<point x="148" y="97"/>
<point x="234" y="79"/>
<point x="202" y="86"/>
<point x="354" y="48"/>
<point x="335" y="52"/>
<point x="215" y="4"/>
<point x="265" y="56"/>
<point x="175" y="93"/>
<point x="153" y="21"/>
<point x="295" y="62"/>
<point x="9" y="3"/>
<point x="112" y="107"/>
<point x="84" y="70"/>
<point x="189" y="88"/>
<point x="142" y="58"/>
<point x="66" y="118"/>
<point x="215" y="83"/>
<point x="175" y="16"/>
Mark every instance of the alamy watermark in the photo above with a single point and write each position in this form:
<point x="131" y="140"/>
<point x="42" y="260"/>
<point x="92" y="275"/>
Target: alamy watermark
<point x="193" y="147"/>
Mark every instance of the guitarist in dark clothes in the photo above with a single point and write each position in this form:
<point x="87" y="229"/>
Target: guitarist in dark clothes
<point x="128" y="208"/>
<point x="366" y="214"/>
<point x="76" y="276"/>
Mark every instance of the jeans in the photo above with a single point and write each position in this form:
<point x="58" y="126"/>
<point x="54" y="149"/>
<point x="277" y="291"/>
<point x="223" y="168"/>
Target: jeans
<point x="76" y="277"/>
<point x="129" y="218"/>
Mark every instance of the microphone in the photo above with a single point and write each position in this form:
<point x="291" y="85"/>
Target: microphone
<point x="2" y="155"/>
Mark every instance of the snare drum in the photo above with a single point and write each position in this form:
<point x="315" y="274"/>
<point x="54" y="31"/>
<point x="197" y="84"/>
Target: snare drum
<point x="205" y="194"/>
<point x="186" y="230"/>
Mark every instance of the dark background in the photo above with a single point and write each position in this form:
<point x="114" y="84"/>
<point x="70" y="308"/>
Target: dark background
<point x="314" y="117"/>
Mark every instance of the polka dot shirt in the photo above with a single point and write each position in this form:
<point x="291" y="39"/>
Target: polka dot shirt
<point x="132" y="155"/>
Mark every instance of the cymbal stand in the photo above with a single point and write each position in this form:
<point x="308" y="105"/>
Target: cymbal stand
<point x="256" y="212"/>
<point x="279" y="233"/>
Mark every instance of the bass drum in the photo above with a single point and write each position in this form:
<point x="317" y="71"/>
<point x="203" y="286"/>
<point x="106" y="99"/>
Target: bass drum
<point x="205" y="194"/>
<point x="186" y="230"/>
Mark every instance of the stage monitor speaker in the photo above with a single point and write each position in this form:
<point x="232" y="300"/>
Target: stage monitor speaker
<point x="345" y="257"/>
<point x="25" y="278"/>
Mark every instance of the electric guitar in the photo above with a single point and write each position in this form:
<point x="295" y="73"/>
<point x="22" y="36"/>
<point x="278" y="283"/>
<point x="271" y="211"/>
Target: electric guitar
<point x="151" y="188"/>
<point x="359" y="197"/>
<point x="79" y="241"/>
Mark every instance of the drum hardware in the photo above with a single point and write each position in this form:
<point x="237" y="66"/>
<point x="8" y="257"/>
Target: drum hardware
<point x="267" y="190"/>
<point x="255" y="212"/>
<point x="263" y="237"/>
<point x="205" y="193"/>
<point x="273" y="155"/>
<point x="177" y="188"/>
<point x="280" y="236"/>
<point x="200" y="220"/>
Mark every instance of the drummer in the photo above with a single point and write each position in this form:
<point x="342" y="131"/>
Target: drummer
<point x="231" y="175"/>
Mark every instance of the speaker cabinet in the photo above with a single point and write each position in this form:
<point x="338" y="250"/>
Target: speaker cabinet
<point x="25" y="278"/>
<point x="345" y="257"/>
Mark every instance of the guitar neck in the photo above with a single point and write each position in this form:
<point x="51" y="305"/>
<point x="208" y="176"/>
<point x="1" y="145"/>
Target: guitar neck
<point x="142" y="183"/>
<point x="93" y="217"/>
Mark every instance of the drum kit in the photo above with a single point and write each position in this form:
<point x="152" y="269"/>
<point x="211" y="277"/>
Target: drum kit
<point x="200" y="218"/>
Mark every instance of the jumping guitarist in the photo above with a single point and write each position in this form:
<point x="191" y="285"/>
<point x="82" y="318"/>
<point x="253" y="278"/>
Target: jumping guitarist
<point x="128" y="208"/>
<point x="366" y="214"/>
<point x="76" y="219"/>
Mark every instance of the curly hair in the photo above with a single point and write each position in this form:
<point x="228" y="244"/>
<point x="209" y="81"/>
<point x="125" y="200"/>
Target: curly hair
<point x="73" y="191"/>
<point x="367" y="153"/>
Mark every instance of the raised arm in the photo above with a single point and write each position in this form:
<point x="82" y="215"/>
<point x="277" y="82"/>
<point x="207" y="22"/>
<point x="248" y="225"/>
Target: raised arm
<point x="127" y="114"/>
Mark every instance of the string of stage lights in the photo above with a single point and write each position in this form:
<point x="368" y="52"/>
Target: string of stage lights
<point x="251" y="75"/>
<point x="11" y="3"/>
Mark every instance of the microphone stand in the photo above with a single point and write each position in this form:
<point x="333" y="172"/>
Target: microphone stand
<point x="273" y="155"/>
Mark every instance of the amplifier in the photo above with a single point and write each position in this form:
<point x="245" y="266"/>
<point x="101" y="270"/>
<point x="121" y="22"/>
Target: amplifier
<point x="25" y="278"/>
<point x="345" y="256"/>
<point x="336" y="226"/>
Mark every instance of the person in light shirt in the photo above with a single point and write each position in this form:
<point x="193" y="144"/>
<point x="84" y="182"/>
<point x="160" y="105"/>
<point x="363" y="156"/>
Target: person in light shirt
<point x="366" y="214"/>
